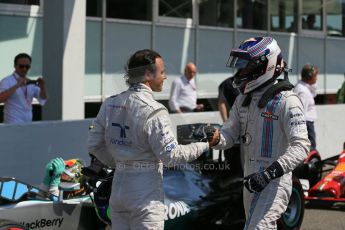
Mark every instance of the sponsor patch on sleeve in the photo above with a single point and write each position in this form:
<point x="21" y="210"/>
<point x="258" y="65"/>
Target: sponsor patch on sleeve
<point x="296" y="121"/>
<point x="171" y="146"/>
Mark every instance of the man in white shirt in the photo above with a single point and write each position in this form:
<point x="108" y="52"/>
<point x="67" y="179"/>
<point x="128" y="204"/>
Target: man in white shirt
<point x="306" y="90"/>
<point x="17" y="92"/>
<point x="183" y="94"/>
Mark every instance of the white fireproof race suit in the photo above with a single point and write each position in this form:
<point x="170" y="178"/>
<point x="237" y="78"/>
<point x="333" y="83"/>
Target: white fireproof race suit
<point x="133" y="133"/>
<point x="276" y="132"/>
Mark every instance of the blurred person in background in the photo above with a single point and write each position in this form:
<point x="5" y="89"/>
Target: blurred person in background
<point x="226" y="97"/>
<point x="340" y="97"/>
<point x="17" y="91"/>
<point x="306" y="91"/>
<point x="183" y="94"/>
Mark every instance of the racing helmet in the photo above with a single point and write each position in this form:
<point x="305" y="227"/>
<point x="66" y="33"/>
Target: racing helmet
<point x="257" y="60"/>
<point x="72" y="173"/>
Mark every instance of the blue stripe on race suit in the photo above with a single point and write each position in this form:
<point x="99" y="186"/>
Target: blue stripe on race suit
<point x="267" y="130"/>
<point x="252" y="208"/>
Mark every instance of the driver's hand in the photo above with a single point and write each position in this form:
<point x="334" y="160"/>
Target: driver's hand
<point x="212" y="135"/>
<point x="94" y="169"/>
<point x="256" y="182"/>
<point x="54" y="169"/>
<point x="215" y="138"/>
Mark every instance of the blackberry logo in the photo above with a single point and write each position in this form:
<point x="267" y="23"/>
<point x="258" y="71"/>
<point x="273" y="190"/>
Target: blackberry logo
<point x="43" y="223"/>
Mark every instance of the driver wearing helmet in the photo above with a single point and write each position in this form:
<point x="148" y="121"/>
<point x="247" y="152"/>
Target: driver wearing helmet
<point x="268" y="119"/>
<point x="58" y="170"/>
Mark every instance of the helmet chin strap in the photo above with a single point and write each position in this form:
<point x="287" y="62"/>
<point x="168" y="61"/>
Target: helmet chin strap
<point x="247" y="100"/>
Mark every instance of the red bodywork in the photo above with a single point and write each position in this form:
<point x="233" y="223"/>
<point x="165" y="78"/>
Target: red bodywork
<point x="312" y="153"/>
<point x="332" y="186"/>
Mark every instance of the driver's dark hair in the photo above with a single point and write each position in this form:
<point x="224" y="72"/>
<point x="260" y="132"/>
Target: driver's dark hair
<point x="138" y="63"/>
<point x="21" y="55"/>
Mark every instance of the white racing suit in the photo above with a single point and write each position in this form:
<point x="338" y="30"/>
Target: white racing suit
<point x="276" y="132"/>
<point x="133" y="133"/>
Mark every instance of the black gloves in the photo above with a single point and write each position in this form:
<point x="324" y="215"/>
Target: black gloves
<point x="256" y="182"/>
<point x="94" y="169"/>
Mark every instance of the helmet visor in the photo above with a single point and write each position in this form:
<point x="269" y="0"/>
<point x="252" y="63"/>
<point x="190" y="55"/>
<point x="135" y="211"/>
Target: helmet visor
<point x="237" y="62"/>
<point x="238" y="59"/>
<point x="72" y="171"/>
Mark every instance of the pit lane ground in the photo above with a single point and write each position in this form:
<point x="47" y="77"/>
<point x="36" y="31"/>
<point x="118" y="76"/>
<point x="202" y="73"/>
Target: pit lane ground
<point x="323" y="216"/>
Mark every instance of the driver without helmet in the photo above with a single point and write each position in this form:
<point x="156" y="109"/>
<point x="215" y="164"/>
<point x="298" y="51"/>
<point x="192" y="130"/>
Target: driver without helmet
<point x="133" y="133"/>
<point x="268" y="119"/>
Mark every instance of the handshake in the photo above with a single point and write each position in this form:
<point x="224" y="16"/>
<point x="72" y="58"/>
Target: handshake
<point x="211" y="134"/>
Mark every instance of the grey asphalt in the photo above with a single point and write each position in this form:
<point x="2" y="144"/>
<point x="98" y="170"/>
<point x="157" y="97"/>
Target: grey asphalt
<point x="324" y="217"/>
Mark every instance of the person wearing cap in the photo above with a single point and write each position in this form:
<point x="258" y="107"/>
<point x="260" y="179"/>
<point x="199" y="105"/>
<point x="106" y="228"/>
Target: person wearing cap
<point x="306" y="90"/>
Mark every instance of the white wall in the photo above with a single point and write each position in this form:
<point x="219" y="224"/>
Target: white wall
<point x="330" y="129"/>
<point x="25" y="149"/>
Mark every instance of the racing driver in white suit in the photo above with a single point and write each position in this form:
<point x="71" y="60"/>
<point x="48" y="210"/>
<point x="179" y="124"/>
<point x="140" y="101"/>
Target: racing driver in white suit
<point x="133" y="133"/>
<point x="268" y="120"/>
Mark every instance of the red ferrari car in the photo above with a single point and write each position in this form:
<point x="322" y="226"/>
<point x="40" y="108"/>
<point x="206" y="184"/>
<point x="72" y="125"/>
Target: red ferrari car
<point x="332" y="186"/>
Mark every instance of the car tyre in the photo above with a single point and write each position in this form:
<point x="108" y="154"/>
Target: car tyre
<point x="10" y="225"/>
<point x="293" y="216"/>
<point x="315" y="170"/>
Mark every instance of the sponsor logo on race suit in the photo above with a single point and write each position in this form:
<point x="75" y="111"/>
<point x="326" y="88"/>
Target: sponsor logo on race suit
<point x="292" y="115"/>
<point x="43" y="223"/>
<point x="297" y="120"/>
<point x="171" y="146"/>
<point x="115" y="141"/>
<point x="123" y="136"/>
<point x="118" y="107"/>
<point x="168" y="140"/>
<point x="122" y="129"/>
<point x="269" y="115"/>
<point x="295" y="123"/>
<point x="176" y="209"/>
